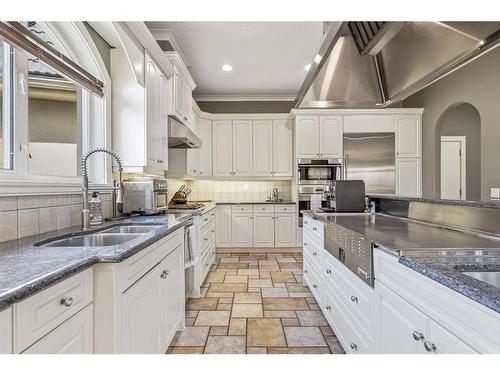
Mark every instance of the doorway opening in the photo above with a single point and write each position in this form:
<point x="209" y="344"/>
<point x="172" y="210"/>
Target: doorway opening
<point x="453" y="167"/>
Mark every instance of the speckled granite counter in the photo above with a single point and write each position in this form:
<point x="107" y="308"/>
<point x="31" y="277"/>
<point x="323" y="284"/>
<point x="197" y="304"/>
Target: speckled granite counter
<point x="438" y="253"/>
<point x="26" y="269"/>
<point x="449" y="202"/>
<point x="448" y="270"/>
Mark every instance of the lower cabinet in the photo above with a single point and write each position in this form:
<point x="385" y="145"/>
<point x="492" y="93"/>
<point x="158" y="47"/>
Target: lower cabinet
<point x="263" y="229"/>
<point x="284" y="230"/>
<point x="223" y="226"/>
<point x="74" y="336"/>
<point x="242" y="229"/>
<point x="6" y="330"/>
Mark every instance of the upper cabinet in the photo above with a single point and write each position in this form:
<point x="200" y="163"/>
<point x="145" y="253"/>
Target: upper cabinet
<point x="318" y="136"/>
<point x="242" y="148"/>
<point x="139" y="115"/>
<point x="222" y="147"/>
<point x="408" y="136"/>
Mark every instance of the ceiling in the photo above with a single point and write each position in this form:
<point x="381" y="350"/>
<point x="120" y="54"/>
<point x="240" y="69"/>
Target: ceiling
<point x="268" y="58"/>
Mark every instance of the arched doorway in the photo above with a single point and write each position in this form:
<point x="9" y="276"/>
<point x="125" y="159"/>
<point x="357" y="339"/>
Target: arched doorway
<point x="458" y="134"/>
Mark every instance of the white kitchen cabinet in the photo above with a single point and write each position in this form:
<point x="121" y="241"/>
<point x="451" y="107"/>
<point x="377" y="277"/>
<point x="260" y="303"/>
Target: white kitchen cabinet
<point x="173" y="287"/>
<point x="143" y="308"/>
<point x="408" y="136"/>
<point x="263" y="148"/>
<point x="222" y="147"/>
<point x="205" y="153"/>
<point x="318" y="136"/>
<point x="263" y="229"/>
<point x="223" y="226"/>
<point x="6" y="331"/>
<point x="74" y="336"/>
<point x="284" y="229"/>
<point x="409" y="177"/>
<point x="330" y="136"/>
<point x="242" y="229"/>
<point x="402" y="327"/>
<point x="445" y="342"/>
<point x="282" y="148"/>
<point x="307" y="136"/>
<point x="242" y="148"/>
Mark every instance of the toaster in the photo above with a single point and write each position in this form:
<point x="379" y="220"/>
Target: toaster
<point x="145" y="196"/>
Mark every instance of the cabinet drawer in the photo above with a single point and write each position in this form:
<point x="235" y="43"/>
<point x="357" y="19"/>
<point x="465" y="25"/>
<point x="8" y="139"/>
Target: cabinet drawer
<point x="285" y="208"/>
<point x="207" y="218"/>
<point x="313" y="278"/>
<point x="36" y="316"/>
<point x="74" y="336"/>
<point x="242" y="208"/>
<point x="311" y="249"/>
<point x="138" y="265"/>
<point x="207" y="236"/>
<point x="263" y="208"/>
<point x="357" y="296"/>
<point x="207" y="260"/>
<point x="341" y="321"/>
<point x="315" y="227"/>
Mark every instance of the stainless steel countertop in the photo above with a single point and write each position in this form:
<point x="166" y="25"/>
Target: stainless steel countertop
<point x="407" y="236"/>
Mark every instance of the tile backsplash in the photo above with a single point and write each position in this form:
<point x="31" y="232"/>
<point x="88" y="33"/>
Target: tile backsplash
<point x="25" y="216"/>
<point x="232" y="191"/>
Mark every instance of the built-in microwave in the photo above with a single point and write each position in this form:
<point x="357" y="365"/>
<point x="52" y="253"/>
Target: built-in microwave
<point x="318" y="171"/>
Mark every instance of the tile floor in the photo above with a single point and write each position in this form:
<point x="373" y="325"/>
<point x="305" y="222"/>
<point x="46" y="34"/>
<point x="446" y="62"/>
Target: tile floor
<point x="255" y="303"/>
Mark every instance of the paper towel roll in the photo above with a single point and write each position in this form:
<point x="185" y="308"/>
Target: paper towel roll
<point x="315" y="202"/>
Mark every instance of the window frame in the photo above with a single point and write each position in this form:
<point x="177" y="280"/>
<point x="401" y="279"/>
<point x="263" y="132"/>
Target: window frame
<point x="95" y="118"/>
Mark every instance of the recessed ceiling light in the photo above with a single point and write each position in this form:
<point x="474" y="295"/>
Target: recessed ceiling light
<point x="227" y="67"/>
<point x="307" y="67"/>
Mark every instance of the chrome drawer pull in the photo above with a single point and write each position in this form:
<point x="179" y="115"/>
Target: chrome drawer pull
<point x="354" y="299"/>
<point x="314" y="228"/>
<point x="67" y="301"/>
<point x="305" y="243"/>
<point x="354" y="346"/>
<point x="328" y="308"/>
<point x="418" y="336"/>
<point x="164" y="274"/>
<point x="429" y="346"/>
<point x="315" y="286"/>
<point x="305" y="271"/>
<point x="329" y="272"/>
<point x="315" y="253"/>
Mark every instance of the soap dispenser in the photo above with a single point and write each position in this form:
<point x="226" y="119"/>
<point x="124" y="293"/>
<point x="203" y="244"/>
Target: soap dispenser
<point x="95" y="210"/>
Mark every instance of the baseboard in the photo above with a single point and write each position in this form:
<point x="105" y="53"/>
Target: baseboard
<point x="234" y="250"/>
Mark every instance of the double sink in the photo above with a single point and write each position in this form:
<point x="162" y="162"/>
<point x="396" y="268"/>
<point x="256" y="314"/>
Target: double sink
<point x="106" y="237"/>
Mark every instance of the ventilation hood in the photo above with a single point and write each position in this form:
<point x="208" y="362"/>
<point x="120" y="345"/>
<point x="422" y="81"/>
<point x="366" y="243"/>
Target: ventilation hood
<point x="376" y="64"/>
<point x="180" y="136"/>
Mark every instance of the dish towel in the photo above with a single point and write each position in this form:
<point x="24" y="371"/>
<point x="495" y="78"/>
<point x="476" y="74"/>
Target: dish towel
<point x="189" y="246"/>
<point x="315" y="202"/>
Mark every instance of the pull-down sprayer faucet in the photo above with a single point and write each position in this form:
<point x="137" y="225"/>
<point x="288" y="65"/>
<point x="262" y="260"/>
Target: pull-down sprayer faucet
<point x="118" y="189"/>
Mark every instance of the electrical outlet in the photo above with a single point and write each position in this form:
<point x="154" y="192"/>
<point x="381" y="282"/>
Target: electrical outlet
<point x="495" y="193"/>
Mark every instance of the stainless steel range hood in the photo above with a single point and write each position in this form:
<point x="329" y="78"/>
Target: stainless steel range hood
<point x="376" y="64"/>
<point x="180" y="136"/>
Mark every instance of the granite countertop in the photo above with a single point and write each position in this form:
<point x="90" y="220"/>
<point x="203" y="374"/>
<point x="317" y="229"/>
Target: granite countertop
<point x="207" y="206"/>
<point x="447" y="270"/>
<point x="26" y="268"/>
<point x="261" y="202"/>
<point x="449" y="202"/>
<point x="438" y="253"/>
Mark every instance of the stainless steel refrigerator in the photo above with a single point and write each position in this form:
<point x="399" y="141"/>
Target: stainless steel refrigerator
<point x="371" y="157"/>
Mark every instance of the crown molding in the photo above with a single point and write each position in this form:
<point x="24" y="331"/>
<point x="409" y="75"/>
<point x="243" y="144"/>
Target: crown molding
<point x="244" y="98"/>
<point x="171" y="36"/>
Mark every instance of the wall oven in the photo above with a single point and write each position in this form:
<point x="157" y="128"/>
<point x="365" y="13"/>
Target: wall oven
<point x="318" y="171"/>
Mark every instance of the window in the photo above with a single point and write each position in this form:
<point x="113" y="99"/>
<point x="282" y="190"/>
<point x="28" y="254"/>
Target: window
<point x="6" y="103"/>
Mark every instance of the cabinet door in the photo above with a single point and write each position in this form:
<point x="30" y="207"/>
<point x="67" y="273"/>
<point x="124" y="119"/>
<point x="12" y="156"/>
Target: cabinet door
<point x="223" y="226"/>
<point x="242" y="148"/>
<point x="205" y="154"/>
<point x="283" y="148"/>
<point x="179" y="96"/>
<point x="263" y="230"/>
<point x="6" y="330"/>
<point x="172" y="275"/>
<point x="263" y="148"/>
<point x="284" y="230"/>
<point x="152" y="104"/>
<point x="398" y="322"/>
<point x="162" y="131"/>
<point x="143" y="316"/>
<point x="409" y="177"/>
<point x="222" y="148"/>
<point x="408" y="129"/>
<point x="307" y="137"/>
<point x="193" y="158"/>
<point x="330" y="136"/>
<point x="74" y="336"/>
<point x="445" y="342"/>
<point x="242" y="229"/>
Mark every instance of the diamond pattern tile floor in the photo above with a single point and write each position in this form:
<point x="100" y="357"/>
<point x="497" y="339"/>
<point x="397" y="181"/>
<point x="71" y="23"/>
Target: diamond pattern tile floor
<point x="255" y="303"/>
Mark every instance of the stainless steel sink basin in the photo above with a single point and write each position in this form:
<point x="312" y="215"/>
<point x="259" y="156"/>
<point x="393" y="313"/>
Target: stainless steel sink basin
<point x="94" y="240"/>
<point x="131" y="229"/>
<point x="489" y="277"/>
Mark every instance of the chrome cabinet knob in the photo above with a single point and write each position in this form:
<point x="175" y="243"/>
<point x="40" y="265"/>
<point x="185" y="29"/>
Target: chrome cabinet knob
<point x="67" y="301"/>
<point x="429" y="346"/>
<point x="314" y="228"/>
<point x="305" y="243"/>
<point x="305" y="271"/>
<point x="164" y="274"/>
<point x="354" y="347"/>
<point x="315" y="254"/>
<point x="305" y="222"/>
<point x="329" y="272"/>
<point x="328" y="307"/>
<point x="418" y="336"/>
<point x="354" y="299"/>
<point x="315" y="286"/>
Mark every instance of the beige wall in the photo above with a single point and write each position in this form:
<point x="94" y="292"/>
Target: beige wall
<point x="52" y="121"/>
<point x="246" y="107"/>
<point x="477" y="83"/>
